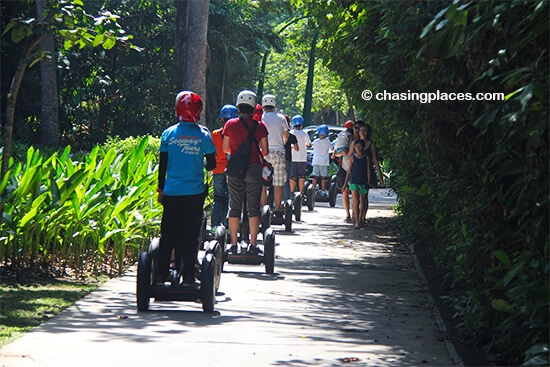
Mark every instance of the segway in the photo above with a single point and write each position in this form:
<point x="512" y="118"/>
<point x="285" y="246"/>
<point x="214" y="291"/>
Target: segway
<point x="288" y="210"/>
<point x="332" y="193"/>
<point x="208" y="272"/>
<point x="286" y="219"/>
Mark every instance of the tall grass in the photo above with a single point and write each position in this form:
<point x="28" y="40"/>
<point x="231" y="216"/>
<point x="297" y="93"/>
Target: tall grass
<point x="85" y="215"/>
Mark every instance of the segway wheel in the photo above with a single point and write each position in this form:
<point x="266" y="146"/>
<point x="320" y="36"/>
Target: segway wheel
<point x="288" y="215"/>
<point x="144" y="281"/>
<point x="332" y="193"/>
<point x="154" y="251"/>
<point x="208" y="282"/>
<point x="269" y="251"/>
<point x="265" y="218"/>
<point x="297" y="206"/>
<point x="221" y="237"/>
<point x="310" y="195"/>
<point x="217" y="250"/>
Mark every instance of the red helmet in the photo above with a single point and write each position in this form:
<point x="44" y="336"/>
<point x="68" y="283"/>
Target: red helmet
<point x="258" y="113"/>
<point x="348" y="124"/>
<point x="188" y="106"/>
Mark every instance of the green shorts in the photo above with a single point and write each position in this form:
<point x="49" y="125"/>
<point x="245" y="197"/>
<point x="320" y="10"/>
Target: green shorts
<point x="362" y="189"/>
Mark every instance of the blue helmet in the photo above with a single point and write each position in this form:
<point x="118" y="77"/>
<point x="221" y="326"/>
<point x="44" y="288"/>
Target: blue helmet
<point x="229" y="112"/>
<point x="297" y="120"/>
<point x="322" y="130"/>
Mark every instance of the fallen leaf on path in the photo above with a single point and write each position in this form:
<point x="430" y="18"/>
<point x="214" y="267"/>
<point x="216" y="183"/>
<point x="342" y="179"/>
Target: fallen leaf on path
<point x="349" y="359"/>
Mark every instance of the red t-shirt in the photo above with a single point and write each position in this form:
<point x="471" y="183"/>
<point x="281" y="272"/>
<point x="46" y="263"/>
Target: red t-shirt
<point x="237" y="134"/>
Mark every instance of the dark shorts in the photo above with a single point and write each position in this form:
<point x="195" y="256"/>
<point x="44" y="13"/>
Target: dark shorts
<point x="249" y="188"/>
<point x="298" y="170"/>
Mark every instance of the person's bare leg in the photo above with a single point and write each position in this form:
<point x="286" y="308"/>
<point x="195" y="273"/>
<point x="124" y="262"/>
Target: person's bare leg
<point x="292" y="184"/>
<point x="345" y="201"/>
<point x="233" y="228"/>
<point x="366" y="208"/>
<point x="355" y="208"/>
<point x="363" y="208"/>
<point x="278" y="196"/>
<point x="254" y="223"/>
<point x="301" y="183"/>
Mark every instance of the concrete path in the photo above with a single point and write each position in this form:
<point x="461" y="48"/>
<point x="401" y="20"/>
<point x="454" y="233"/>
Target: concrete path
<point x="339" y="297"/>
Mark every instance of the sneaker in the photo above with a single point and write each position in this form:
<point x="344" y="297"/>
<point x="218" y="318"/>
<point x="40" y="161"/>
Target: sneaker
<point x="234" y="249"/>
<point x="243" y="246"/>
<point x="255" y="250"/>
<point x="348" y="220"/>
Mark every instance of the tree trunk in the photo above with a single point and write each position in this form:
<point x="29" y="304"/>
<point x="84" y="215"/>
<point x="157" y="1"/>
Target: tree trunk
<point x="49" y="119"/>
<point x="192" y="46"/>
<point x="31" y="44"/>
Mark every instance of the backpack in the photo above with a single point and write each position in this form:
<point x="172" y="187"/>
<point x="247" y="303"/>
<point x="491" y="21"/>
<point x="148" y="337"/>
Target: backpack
<point x="238" y="161"/>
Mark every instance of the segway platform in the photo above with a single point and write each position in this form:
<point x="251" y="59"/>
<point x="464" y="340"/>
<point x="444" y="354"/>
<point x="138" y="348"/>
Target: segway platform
<point x="209" y="274"/>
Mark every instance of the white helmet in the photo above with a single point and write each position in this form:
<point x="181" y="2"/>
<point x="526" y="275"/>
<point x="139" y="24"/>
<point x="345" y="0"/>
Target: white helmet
<point x="246" y="97"/>
<point x="269" y="100"/>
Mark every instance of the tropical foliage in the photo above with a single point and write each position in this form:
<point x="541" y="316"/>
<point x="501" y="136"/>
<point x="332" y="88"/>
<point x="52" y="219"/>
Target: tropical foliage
<point x="472" y="176"/>
<point x="84" y="212"/>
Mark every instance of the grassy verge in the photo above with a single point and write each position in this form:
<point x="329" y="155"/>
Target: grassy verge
<point x="25" y="304"/>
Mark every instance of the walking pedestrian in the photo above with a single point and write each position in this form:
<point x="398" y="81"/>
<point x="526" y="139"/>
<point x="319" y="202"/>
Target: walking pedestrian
<point x="341" y="150"/>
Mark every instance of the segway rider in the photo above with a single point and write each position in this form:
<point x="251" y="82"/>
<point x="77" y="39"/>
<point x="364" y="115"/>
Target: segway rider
<point x="181" y="188"/>
<point x="298" y="166"/>
<point x="321" y="160"/>
<point x="219" y="178"/>
<point x="341" y="150"/>
<point x="278" y="135"/>
<point x="290" y="146"/>
<point x="234" y="134"/>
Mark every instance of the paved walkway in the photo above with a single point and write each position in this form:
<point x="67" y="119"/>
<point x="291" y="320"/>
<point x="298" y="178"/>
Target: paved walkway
<point x="339" y="297"/>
